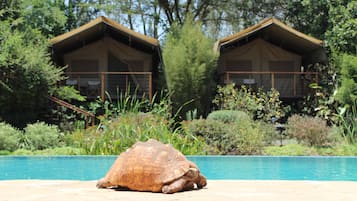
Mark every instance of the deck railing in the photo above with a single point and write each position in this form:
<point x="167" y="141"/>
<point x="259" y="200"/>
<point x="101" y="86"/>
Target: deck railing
<point x="94" y="84"/>
<point x="289" y="84"/>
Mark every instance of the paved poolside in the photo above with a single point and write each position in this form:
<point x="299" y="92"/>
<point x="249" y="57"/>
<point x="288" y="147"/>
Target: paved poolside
<point x="51" y="190"/>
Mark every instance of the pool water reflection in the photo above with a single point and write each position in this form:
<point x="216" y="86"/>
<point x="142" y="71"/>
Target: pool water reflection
<point x="213" y="167"/>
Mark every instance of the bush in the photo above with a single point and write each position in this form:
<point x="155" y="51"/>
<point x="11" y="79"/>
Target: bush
<point x="228" y="116"/>
<point x="116" y="135"/>
<point x="312" y="131"/>
<point x="27" y="74"/>
<point x="216" y="134"/>
<point x="241" y="137"/>
<point x="261" y="105"/>
<point x="8" y="137"/>
<point x="41" y="136"/>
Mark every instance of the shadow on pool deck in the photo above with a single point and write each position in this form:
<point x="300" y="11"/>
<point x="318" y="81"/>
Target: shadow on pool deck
<point x="53" y="190"/>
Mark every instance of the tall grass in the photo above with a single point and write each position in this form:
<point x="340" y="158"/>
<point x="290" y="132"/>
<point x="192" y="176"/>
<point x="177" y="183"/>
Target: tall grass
<point x="116" y="135"/>
<point x="348" y="122"/>
<point x="131" y="118"/>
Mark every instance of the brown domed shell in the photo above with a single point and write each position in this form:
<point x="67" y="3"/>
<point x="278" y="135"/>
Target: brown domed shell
<point x="147" y="166"/>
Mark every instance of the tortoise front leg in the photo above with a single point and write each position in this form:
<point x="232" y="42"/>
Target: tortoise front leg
<point x="176" y="186"/>
<point x="103" y="183"/>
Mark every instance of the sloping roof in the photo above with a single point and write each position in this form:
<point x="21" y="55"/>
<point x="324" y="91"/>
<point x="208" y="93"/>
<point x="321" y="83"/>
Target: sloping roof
<point x="109" y="22"/>
<point x="276" y="32"/>
<point x="99" y="28"/>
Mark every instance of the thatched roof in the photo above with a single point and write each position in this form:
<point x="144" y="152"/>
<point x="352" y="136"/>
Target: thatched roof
<point x="276" y="32"/>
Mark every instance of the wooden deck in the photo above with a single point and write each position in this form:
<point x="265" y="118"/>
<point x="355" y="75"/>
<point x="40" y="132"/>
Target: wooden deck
<point x="289" y="84"/>
<point x="97" y="84"/>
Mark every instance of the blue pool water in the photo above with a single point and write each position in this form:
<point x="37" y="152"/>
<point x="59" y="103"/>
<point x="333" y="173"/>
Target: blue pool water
<point x="213" y="167"/>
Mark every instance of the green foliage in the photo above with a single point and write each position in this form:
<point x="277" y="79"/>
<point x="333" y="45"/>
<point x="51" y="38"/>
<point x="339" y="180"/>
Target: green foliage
<point x="216" y="134"/>
<point x="241" y="137"/>
<point x="189" y="64"/>
<point x="344" y="150"/>
<point x="312" y="131"/>
<point x="308" y="16"/>
<point x="303" y="150"/>
<point x="26" y="74"/>
<point x="49" y="152"/>
<point x="261" y="105"/>
<point x="319" y="100"/>
<point x="116" y="135"/>
<point x="68" y="93"/>
<point x="228" y="116"/>
<point x="8" y="137"/>
<point x="342" y="35"/>
<point x="46" y="16"/>
<point x="41" y="136"/>
<point x="287" y="150"/>
<point x="22" y="152"/>
<point x="348" y="122"/>
<point x="347" y="93"/>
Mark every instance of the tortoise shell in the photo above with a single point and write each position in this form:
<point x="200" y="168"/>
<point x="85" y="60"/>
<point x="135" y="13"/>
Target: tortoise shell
<point x="147" y="166"/>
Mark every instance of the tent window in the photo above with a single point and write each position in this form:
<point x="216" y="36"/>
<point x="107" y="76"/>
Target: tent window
<point x="136" y="65"/>
<point x="116" y="65"/>
<point x="84" y="66"/>
<point x="281" y="66"/>
<point x="239" y="65"/>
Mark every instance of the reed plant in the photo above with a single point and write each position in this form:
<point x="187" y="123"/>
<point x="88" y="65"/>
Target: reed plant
<point x="116" y="135"/>
<point x="348" y="122"/>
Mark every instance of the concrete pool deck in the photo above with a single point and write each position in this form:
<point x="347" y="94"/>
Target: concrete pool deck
<point x="221" y="190"/>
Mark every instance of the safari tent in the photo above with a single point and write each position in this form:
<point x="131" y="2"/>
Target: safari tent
<point x="103" y="56"/>
<point x="270" y="55"/>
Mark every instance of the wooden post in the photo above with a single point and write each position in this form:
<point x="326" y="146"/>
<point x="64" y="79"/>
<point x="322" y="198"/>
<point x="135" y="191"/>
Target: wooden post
<point x="102" y="86"/>
<point x="294" y="84"/>
<point x="150" y="86"/>
<point x="227" y="77"/>
<point x="126" y="83"/>
<point x="79" y="84"/>
<point x="272" y="80"/>
<point x="317" y="78"/>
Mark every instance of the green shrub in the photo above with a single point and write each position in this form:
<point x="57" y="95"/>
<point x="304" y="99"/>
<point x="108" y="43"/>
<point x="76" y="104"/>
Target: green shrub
<point x="261" y="105"/>
<point x="270" y="134"/>
<point x="250" y="137"/>
<point x="312" y="131"/>
<point x="41" y="136"/>
<point x="116" y="135"/>
<point x="228" y="116"/>
<point x="216" y="134"/>
<point x="241" y="137"/>
<point x="8" y="137"/>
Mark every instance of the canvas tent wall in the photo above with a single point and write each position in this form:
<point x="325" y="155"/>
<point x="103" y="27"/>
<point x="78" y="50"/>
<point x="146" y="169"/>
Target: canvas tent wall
<point x="124" y="56"/>
<point x="267" y="47"/>
<point x="261" y="56"/>
<point x="108" y="55"/>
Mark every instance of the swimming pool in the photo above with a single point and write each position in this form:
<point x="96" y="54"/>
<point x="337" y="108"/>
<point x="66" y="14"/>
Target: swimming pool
<point x="213" y="167"/>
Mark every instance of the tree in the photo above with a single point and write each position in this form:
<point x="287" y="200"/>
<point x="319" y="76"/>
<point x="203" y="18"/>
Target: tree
<point x="189" y="61"/>
<point x="342" y="36"/>
<point x="26" y="73"/>
<point x="310" y="17"/>
<point x="45" y="15"/>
